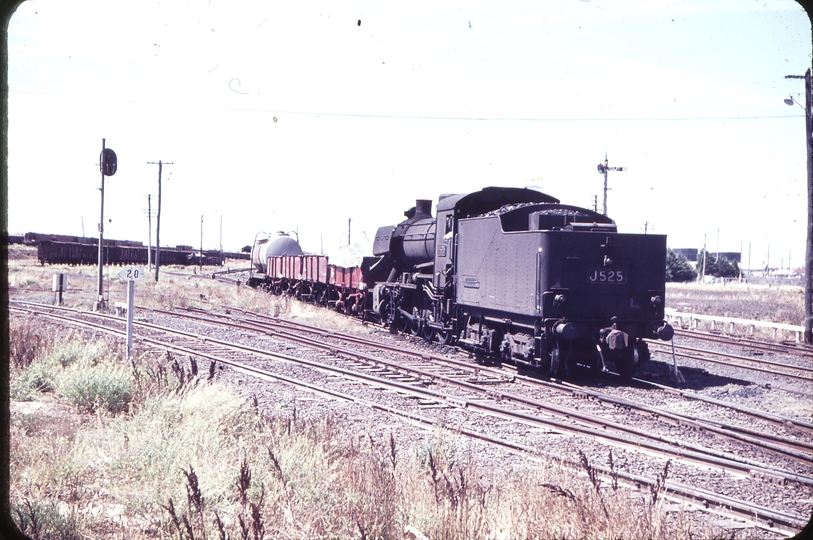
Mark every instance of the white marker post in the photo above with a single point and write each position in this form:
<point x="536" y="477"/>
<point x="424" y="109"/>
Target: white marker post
<point x="130" y="274"/>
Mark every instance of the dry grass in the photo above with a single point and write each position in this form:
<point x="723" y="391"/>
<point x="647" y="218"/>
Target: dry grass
<point x="188" y="458"/>
<point x="170" y="454"/>
<point x="775" y="304"/>
<point x="179" y="287"/>
<point x="784" y="304"/>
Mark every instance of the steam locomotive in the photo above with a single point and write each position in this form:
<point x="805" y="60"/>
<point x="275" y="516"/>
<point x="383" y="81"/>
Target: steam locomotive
<point x="509" y="274"/>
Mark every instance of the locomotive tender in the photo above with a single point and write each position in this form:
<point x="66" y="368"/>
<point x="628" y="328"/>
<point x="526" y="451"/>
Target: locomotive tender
<point x="511" y="274"/>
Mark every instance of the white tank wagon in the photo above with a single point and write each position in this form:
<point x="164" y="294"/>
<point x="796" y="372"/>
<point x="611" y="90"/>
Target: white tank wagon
<point x="275" y="245"/>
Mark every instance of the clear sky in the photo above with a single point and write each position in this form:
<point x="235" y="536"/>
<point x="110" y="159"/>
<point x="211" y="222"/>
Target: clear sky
<point x="300" y="116"/>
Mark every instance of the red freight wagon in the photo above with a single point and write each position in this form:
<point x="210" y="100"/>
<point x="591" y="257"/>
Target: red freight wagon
<point x="345" y="277"/>
<point x="314" y="268"/>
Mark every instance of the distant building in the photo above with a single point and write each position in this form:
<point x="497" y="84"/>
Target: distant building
<point x="730" y="256"/>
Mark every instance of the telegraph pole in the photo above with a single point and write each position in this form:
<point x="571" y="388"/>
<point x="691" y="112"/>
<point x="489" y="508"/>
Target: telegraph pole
<point x="200" y="259"/>
<point x="602" y="169"/>
<point x="149" y="231"/>
<point x="809" y="250"/>
<point x="158" y="217"/>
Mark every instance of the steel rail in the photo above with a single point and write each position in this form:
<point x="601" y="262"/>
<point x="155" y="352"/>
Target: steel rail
<point x="690" y="453"/>
<point x="760" y="516"/>
<point x="775" y="443"/>
<point x="798" y="349"/>
<point x="798" y="450"/>
<point x="666" y="349"/>
<point x="726" y="430"/>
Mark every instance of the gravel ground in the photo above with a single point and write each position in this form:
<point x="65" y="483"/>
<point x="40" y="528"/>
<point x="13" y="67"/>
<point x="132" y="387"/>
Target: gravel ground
<point x="772" y="393"/>
<point x="276" y="398"/>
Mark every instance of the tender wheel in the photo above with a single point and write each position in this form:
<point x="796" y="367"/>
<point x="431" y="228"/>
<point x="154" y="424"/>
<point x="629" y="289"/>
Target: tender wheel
<point x="555" y="360"/>
<point x="628" y="361"/>
<point x="429" y="334"/>
<point x="558" y="365"/>
<point x="506" y="352"/>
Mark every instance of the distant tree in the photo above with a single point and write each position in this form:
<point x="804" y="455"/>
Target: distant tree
<point x="678" y="267"/>
<point x="717" y="267"/>
<point x="726" y="268"/>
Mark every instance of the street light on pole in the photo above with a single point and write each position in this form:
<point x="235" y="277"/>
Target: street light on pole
<point x="809" y="248"/>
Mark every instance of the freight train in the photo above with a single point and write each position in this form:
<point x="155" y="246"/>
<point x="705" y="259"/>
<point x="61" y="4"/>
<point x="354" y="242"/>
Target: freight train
<point x="78" y="251"/>
<point x="510" y="274"/>
<point x="78" y="254"/>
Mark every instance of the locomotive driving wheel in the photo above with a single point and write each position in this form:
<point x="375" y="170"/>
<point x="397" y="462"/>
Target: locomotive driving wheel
<point x="445" y="337"/>
<point x="427" y="332"/>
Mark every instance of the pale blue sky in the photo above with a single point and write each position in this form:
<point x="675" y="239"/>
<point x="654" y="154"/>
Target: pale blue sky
<point x="416" y="101"/>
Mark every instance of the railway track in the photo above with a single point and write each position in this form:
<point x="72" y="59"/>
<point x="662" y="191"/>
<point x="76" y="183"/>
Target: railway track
<point x="481" y="395"/>
<point x="801" y="373"/>
<point x="485" y="375"/>
<point x="748" y="343"/>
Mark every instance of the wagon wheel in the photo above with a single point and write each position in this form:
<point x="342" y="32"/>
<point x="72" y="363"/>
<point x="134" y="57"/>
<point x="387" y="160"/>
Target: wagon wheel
<point x="317" y="297"/>
<point x="627" y="362"/>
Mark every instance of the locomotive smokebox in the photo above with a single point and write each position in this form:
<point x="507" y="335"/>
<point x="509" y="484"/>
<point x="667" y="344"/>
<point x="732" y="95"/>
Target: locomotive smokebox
<point x="416" y="235"/>
<point x="412" y="241"/>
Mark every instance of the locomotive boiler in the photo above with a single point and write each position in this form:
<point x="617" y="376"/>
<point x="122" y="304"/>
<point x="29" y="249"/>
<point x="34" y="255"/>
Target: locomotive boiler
<point x="512" y="274"/>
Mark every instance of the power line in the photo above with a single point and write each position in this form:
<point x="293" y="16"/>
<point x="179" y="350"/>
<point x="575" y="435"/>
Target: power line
<point x="428" y="117"/>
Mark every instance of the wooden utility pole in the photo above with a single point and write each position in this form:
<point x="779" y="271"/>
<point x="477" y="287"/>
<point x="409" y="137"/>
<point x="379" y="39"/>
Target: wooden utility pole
<point x="809" y="250"/>
<point x="158" y="218"/>
<point x="149" y="231"/>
